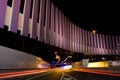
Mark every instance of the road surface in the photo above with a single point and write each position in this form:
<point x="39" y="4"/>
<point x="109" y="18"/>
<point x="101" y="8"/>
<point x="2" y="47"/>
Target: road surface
<point x="58" y="74"/>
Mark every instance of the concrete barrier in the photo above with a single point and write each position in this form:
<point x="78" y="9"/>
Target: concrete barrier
<point x="14" y="59"/>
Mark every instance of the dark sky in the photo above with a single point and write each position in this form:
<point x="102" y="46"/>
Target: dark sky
<point x="103" y="16"/>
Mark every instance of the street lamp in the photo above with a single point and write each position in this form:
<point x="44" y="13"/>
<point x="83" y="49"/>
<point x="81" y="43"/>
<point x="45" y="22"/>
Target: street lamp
<point x="57" y="57"/>
<point x="94" y="31"/>
<point x="66" y="59"/>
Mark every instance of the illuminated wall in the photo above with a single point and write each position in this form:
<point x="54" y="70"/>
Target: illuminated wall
<point x="46" y="23"/>
<point x="98" y="64"/>
<point x="14" y="59"/>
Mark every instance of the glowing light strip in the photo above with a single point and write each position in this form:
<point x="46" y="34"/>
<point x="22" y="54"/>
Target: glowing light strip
<point x="110" y="73"/>
<point x="21" y="73"/>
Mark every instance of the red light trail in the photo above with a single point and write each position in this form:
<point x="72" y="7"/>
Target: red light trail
<point x="21" y="73"/>
<point x="110" y="73"/>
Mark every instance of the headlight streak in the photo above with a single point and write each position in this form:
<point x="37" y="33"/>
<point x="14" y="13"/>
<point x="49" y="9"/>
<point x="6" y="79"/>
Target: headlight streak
<point x="67" y="67"/>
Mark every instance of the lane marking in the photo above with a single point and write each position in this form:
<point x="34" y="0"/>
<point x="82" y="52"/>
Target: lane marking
<point x="67" y="77"/>
<point x="43" y="74"/>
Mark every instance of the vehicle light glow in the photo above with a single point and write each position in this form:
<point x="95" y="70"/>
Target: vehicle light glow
<point x="67" y="67"/>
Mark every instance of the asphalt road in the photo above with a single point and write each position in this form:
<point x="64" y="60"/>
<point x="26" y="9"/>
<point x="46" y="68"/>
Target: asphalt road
<point x="65" y="75"/>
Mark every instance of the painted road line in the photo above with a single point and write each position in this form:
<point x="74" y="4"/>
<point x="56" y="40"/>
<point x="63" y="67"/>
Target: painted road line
<point x="67" y="77"/>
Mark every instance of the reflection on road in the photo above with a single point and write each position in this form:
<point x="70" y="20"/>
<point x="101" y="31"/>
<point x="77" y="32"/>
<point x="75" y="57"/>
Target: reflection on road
<point x="60" y="74"/>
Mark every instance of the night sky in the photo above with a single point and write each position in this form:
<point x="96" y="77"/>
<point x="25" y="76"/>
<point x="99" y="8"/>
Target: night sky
<point x="103" y="16"/>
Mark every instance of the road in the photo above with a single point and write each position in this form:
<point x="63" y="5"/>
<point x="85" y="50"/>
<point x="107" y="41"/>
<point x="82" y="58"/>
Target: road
<point x="67" y="75"/>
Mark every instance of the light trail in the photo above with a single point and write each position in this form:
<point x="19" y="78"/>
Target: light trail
<point x="40" y="75"/>
<point x="21" y="73"/>
<point x="110" y="73"/>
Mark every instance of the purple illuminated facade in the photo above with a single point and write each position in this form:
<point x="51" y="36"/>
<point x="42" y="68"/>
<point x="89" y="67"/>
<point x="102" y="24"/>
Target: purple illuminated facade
<point x="26" y="13"/>
<point x="14" y="16"/>
<point x="3" y="5"/>
<point x="55" y="29"/>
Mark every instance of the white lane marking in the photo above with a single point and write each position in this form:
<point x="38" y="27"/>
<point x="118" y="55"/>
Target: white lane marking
<point x="62" y="76"/>
<point x="40" y="75"/>
<point x="67" y="77"/>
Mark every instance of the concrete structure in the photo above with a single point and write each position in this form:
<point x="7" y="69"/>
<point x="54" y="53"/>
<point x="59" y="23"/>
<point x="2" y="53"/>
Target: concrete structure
<point x="49" y="25"/>
<point x="44" y="22"/>
<point x="14" y="59"/>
